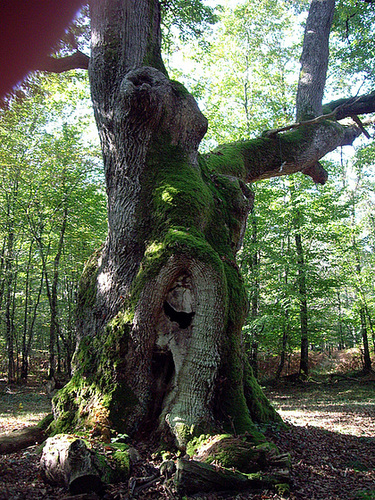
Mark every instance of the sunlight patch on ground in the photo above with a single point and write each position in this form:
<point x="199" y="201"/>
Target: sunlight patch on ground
<point x="9" y="422"/>
<point x="21" y="406"/>
<point x="343" y="422"/>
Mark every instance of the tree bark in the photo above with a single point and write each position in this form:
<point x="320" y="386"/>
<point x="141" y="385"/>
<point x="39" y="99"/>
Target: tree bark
<point x="314" y="59"/>
<point x="366" y="350"/>
<point x="193" y="477"/>
<point x="52" y="290"/>
<point x="20" y="439"/>
<point x="66" y="461"/>
<point x="304" y="363"/>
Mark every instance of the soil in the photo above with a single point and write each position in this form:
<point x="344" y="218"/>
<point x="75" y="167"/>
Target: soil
<point x="329" y="432"/>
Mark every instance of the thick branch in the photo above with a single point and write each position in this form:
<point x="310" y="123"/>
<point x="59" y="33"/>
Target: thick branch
<point x="78" y="60"/>
<point x="338" y="110"/>
<point x="298" y="150"/>
<point x="344" y="108"/>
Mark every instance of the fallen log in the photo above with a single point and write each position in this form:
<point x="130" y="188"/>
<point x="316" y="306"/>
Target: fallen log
<point x="194" y="477"/>
<point x="66" y="461"/>
<point x="20" y="439"/>
<point x="14" y="441"/>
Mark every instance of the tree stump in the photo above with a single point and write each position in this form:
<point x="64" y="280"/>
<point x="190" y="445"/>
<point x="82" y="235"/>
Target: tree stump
<point x="66" y="461"/>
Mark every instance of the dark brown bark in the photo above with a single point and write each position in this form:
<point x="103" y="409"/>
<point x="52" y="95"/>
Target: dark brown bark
<point x="28" y="334"/>
<point x="20" y="439"/>
<point x="78" y="60"/>
<point x="193" y="477"/>
<point x="51" y="289"/>
<point x="366" y="350"/>
<point x="9" y="295"/>
<point x="302" y="292"/>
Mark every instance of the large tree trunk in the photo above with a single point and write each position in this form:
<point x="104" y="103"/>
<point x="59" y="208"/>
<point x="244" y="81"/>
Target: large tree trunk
<point x="161" y="307"/>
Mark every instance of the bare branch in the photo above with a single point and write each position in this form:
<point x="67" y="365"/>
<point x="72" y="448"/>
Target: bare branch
<point x="337" y="110"/>
<point x="274" y="132"/>
<point x="78" y="60"/>
<point x="344" y="108"/>
<point x="360" y="125"/>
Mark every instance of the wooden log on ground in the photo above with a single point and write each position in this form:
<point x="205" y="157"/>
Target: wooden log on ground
<point x="20" y="439"/>
<point x="66" y="461"/>
<point x="193" y="477"/>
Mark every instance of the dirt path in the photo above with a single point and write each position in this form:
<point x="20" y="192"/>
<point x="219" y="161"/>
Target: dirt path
<point x="330" y="434"/>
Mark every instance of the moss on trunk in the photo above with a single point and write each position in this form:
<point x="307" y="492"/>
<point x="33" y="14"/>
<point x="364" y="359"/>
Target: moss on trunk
<point x="170" y="359"/>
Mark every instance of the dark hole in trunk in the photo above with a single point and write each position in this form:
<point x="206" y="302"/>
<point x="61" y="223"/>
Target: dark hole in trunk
<point x="182" y="318"/>
<point x="163" y="369"/>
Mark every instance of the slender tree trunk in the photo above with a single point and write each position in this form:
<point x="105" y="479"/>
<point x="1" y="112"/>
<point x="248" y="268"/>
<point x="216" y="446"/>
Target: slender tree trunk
<point x="301" y="282"/>
<point x="366" y="350"/>
<point x="341" y="333"/>
<point x="286" y="323"/>
<point x="370" y="322"/>
<point x="9" y="333"/>
<point x="24" y="353"/>
<point x="30" y="333"/>
<point x="362" y="308"/>
<point x="304" y="363"/>
<point x="2" y="273"/>
<point x="52" y="292"/>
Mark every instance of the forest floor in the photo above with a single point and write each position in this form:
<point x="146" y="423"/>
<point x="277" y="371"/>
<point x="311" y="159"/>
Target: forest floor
<point x="330" y="434"/>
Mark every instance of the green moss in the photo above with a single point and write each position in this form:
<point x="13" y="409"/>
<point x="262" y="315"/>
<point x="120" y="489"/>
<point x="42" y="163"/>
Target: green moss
<point x="261" y="157"/>
<point x="87" y="284"/>
<point x="119" y="461"/>
<point x="229" y="451"/>
<point x="186" y="209"/>
<point x="45" y="422"/>
<point x="64" y="424"/>
<point x="282" y="489"/>
<point x="185" y="433"/>
<point x="196" y="443"/>
<point x="96" y="394"/>
<point x="260" y="408"/>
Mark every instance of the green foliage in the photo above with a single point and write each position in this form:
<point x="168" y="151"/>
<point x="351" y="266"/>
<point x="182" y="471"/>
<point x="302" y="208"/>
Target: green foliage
<point x="246" y="82"/>
<point x="49" y="173"/>
<point x="191" y="19"/>
<point x="351" y="47"/>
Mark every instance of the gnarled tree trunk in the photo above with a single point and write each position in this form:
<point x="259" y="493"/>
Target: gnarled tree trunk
<point x="161" y="307"/>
